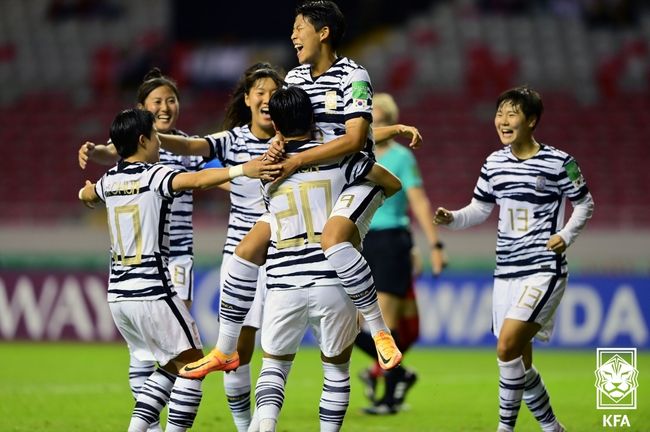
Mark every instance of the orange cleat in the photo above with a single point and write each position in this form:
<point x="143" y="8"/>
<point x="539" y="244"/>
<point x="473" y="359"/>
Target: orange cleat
<point x="388" y="354"/>
<point x="214" y="361"/>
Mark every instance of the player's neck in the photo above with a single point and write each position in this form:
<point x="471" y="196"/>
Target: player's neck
<point x="260" y="133"/>
<point x="526" y="149"/>
<point x="324" y="62"/>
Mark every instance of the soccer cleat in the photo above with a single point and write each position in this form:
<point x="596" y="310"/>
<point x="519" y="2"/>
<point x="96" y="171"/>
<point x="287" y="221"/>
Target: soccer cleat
<point x="381" y="408"/>
<point x="214" y="361"/>
<point x="369" y="384"/>
<point x="403" y="386"/>
<point x="388" y="354"/>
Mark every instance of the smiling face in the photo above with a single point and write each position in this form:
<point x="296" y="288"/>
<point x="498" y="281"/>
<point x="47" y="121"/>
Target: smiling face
<point x="164" y="105"/>
<point x="257" y="99"/>
<point x="512" y="125"/>
<point x="306" y="40"/>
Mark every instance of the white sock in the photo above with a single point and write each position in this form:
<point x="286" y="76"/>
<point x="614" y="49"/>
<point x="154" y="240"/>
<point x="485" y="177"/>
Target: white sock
<point x="184" y="404"/>
<point x="237" y="385"/>
<point x="335" y="396"/>
<point x="511" y="390"/>
<point x="269" y="391"/>
<point x="237" y="296"/>
<point x="538" y="401"/>
<point x="357" y="281"/>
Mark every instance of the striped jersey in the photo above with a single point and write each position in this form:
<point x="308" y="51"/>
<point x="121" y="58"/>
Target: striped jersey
<point x="181" y="235"/>
<point x="138" y="199"/>
<point x="235" y="147"/>
<point x="531" y="198"/>
<point x="298" y="210"/>
<point x="342" y="93"/>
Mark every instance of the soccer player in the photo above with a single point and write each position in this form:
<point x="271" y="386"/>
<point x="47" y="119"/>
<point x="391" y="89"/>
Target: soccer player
<point x="249" y="130"/>
<point x="387" y="248"/>
<point x="303" y="288"/>
<point x="159" y="94"/>
<point x="154" y="322"/>
<point x="529" y="181"/>
<point x="341" y="96"/>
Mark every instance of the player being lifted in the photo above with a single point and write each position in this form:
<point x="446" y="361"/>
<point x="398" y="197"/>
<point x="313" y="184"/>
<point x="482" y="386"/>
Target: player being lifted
<point x="303" y="288"/>
<point x="529" y="181"/>
<point x="153" y="320"/>
<point x="341" y="97"/>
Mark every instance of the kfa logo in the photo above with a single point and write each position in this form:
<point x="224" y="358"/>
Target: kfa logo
<point x="616" y="378"/>
<point x="616" y="383"/>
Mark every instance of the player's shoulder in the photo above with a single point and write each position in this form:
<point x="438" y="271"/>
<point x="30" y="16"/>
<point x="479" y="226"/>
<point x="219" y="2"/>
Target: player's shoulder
<point x="554" y="151"/>
<point x="298" y="73"/>
<point x="347" y="62"/>
<point x="498" y="156"/>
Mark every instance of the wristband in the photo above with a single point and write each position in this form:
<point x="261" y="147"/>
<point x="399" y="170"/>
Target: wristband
<point x="438" y="245"/>
<point x="81" y="193"/>
<point x="236" y="171"/>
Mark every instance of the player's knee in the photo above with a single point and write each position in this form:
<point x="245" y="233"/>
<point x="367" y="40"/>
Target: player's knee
<point x="507" y="349"/>
<point x="338" y="230"/>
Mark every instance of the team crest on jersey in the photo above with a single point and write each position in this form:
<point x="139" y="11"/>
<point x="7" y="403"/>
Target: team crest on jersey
<point x="540" y="183"/>
<point x="330" y="100"/>
<point x="573" y="171"/>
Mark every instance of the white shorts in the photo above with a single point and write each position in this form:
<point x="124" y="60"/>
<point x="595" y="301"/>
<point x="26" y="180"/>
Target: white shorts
<point x="156" y="330"/>
<point x="181" y="269"/>
<point x="327" y="310"/>
<point x="359" y="204"/>
<point x="254" y="315"/>
<point x="532" y="299"/>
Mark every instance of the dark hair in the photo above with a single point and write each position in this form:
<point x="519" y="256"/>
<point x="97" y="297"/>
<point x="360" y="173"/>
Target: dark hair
<point x="291" y="111"/>
<point x="526" y="99"/>
<point x="151" y="81"/>
<point x="237" y="113"/>
<point x="126" y="129"/>
<point x="321" y="13"/>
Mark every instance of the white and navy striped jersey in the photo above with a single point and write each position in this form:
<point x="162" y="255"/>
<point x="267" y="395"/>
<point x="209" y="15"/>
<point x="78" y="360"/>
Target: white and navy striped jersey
<point x="235" y="147"/>
<point x="531" y="198"/>
<point x="298" y="210"/>
<point x="138" y="199"/>
<point x="342" y="93"/>
<point x="181" y="235"/>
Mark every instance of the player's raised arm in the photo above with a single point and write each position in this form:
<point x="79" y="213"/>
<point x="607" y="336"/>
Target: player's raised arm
<point x="186" y="146"/>
<point x="384" y="178"/>
<point x="383" y="133"/>
<point x="98" y="153"/>
<point x="211" y="177"/>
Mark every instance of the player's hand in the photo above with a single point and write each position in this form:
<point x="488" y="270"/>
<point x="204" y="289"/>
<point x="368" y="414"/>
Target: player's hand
<point x="556" y="244"/>
<point x="413" y="133"/>
<point x="289" y="166"/>
<point x="443" y="217"/>
<point x="84" y="194"/>
<point x="85" y="151"/>
<point x="262" y="168"/>
<point x="438" y="260"/>
<point x="275" y="153"/>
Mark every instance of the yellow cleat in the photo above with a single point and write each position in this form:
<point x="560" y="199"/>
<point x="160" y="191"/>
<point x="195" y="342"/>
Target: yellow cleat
<point x="214" y="361"/>
<point x="388" y="354"/>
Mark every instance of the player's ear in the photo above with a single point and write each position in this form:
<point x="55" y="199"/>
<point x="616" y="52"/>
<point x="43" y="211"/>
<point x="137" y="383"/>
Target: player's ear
<point x="324" y="33"/>
<point x="247" y="100"/>
<point x="532" y="122"/>
<point x="139" y="106"/>
<point x="142" y="141"/>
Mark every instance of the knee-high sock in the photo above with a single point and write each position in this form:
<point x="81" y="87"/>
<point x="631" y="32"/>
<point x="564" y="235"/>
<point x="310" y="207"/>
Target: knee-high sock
<point x="236" y="299"/>
<point x="139" y="371"/>
<point x="511" y="391"/>
<point x="269" y="391"/>
<point x="237" y="385"/>
<point x="538" y="401"/>
<point x="356" y="278"/>
<point x="153" y="396"/>
<point x="335" y="397"/>
<point x="184" y="404"/>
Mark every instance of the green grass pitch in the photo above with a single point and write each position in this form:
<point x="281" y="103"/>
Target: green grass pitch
<point x="84" y="387"/>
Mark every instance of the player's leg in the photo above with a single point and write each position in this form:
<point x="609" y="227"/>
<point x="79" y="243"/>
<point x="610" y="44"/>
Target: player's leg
<point x="139" y="371"/>
<point x="237" y="295"/>
<point x="284" y="322"/>
<point x="344" y="230"/>
<point x="333" y="320"/>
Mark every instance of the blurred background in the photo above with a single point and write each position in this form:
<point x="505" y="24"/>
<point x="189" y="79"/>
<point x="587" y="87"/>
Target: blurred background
<point x="68" y="66"/>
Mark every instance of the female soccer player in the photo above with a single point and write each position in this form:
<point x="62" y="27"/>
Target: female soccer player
<point x="159" y="95"/>
<point x="529" y="181"/>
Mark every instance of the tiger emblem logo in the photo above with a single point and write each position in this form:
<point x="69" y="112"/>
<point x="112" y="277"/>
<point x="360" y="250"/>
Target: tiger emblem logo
<point x="616" y="378"/>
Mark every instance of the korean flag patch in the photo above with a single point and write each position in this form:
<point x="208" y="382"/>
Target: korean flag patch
<point x="360" y="94"/>
<point x="574" y="174"/>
